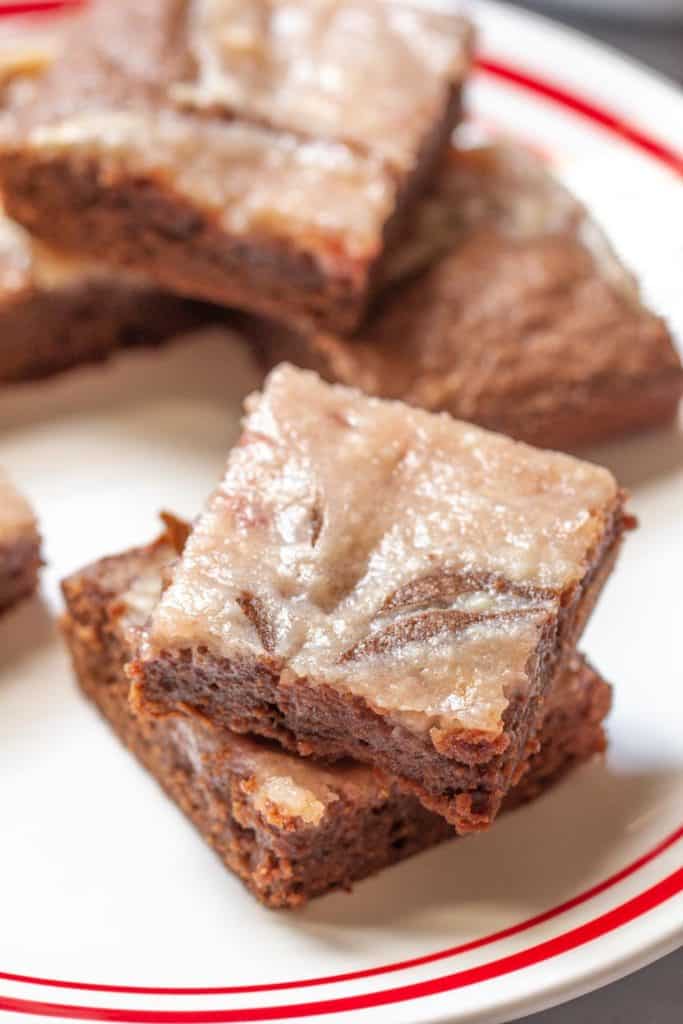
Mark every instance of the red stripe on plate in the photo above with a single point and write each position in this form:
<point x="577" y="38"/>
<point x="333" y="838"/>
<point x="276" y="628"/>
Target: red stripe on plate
<point x="586" y="108"/>
<point x="608" y="922"/>
<point x="370" y="972"/>
<point x="38" y="6"/>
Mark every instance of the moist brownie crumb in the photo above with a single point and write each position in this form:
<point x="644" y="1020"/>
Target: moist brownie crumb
<point x="524" y="320"/>
<point x="182" y="139"/>
<point x="290" y="828"/>
<point x="377" y="582"/>
<point x="19" y="546"/>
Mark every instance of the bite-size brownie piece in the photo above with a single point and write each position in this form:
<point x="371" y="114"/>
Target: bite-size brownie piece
<point x="525" y="321"/>
<point x="377" y="582"/>
<point x="290" y="828"/>
<point x="57" y="312"/>
<point x="258" y="155"/>
<point x="19" y="546"/>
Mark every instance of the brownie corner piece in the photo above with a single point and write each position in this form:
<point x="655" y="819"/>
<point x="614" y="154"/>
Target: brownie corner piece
<point x="300" y="188"/>
<point x="290" y="828"/>
<point x="19" y="546"/>
<point x="383" y="583"/>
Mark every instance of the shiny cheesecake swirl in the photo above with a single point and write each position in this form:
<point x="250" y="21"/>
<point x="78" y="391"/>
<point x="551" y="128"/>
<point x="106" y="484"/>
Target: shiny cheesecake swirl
<point x="404" y="558"/>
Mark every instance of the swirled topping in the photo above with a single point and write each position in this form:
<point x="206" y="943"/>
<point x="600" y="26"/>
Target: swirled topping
<point x="369" y="73"/>
<point x="401" y="556"/>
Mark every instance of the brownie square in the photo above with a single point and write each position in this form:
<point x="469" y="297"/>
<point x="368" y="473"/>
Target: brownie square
<point x="19" y="546"/>
<point x="377" y="582"/>
<point x="290" y="828"/>
<point x="57" y="312"/>
<point x="260" y="155"/>
<point x="505" y="306"/>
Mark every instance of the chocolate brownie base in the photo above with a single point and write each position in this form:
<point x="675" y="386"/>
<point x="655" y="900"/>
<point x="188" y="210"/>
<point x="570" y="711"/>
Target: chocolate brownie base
<point x="19" y="564"/>
<point x="46" y="331"/>
<point x="126" y="192"/>
<point x="368" y="824"/>
<point x="524" y="321"/>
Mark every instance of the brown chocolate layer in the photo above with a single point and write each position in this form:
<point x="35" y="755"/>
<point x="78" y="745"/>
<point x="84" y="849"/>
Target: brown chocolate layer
<point x="361" y="821"/>
<point x="47" y="330"/>
<point x="19" y="564"/>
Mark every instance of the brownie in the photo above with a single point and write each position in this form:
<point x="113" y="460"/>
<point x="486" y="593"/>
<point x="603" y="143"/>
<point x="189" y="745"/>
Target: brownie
<point x="524" y="321"/>
<point x="378" y="582"/>
<point x="57" y="311"/>
<point x="262" y="155"/>
<point x="19" y="546"/>
<point x="289" y="827"/>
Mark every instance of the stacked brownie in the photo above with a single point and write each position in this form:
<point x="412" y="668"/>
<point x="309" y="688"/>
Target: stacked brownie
<point x="291" y="828"/>
<point x="19" y="546"/>
<point x="367" y="643"/>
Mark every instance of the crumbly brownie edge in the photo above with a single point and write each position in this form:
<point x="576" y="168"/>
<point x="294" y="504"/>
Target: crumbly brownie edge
<point x="466" y="785"/>
<point x="48" y="331"/>
<point x="19" y="565"/>
<point x="140" y="223"/>
<point x="282" y="869"/>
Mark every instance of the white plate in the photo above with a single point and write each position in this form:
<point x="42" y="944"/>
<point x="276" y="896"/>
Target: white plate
<point x="110" y="905"/>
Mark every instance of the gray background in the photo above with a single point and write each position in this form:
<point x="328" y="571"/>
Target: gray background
<point x="654" y="41"/>
<point x="655" y="994"/>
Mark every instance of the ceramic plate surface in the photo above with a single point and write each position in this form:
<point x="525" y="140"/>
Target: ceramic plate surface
<point x="112" y="908"/>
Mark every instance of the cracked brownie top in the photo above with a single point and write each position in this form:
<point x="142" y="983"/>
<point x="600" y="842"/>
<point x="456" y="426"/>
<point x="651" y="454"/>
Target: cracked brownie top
<point x="404" y="557"/>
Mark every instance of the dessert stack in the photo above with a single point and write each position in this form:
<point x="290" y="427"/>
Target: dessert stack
<point x="367" y="641"/>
